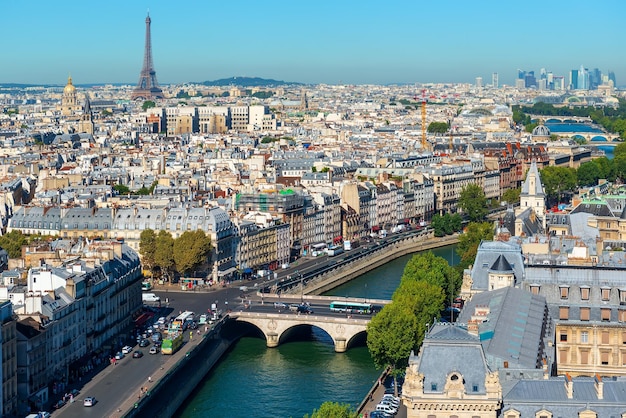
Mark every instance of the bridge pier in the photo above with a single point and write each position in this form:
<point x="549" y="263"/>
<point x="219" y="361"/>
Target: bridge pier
<point x="340" y="345"/>
<point x="272" y="340"/>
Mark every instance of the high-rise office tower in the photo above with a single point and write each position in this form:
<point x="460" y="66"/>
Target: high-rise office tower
<point x="583" y="78"/>
<point x="147" y="88"/>
<point x="479" y="82"/>
<point x="612" y="77"/>
<point x="494" y="80"/>
<point x="573" y="80"/>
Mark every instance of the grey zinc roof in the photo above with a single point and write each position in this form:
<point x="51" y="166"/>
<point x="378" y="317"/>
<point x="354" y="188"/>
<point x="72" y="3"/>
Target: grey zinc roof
<point x="513" y="331"/>
<point x="439" y="357"/>
<point x="530" y="396"/>
<point x="488" y="253"/>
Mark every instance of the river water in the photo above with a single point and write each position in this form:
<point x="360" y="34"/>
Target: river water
<point x="293" y="379"/>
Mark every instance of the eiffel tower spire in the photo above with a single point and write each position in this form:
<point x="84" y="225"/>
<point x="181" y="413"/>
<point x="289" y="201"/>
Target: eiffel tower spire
<point x="147" y="88"/>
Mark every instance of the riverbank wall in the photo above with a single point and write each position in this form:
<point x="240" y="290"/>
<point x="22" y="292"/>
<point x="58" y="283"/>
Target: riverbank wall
<point x="343" y="273"/>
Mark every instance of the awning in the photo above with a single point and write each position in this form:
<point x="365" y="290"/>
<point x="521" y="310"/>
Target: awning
<point x="376" y="228"/>
<point x="221" y="273"/>
<point x="337" y="239"/>
<point x="247" y="270"/>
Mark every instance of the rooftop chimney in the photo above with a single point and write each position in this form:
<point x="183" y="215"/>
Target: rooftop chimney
<point x="599" y="385"/>
<point x="569" y="386"/>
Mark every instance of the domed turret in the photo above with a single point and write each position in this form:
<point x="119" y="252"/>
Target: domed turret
<point x="69" y="89"/>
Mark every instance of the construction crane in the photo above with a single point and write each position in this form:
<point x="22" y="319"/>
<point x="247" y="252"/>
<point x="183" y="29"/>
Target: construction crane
<point x="424" y="142"/>
<point x="424" y="120"/>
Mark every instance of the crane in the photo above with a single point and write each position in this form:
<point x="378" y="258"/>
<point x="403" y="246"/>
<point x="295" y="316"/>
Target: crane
<point x="423" y="119"/>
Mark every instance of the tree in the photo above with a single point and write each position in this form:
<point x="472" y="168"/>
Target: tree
<point x="332" y="410"/>
<point x="12" y="243"/>
<point x="558" y="180"/>
<point x="148" y="104"/>
<point x="619" y="149"/>
<point x="438" y="127"/>
<point x="191" y="250"/>
<point x="470" y="239"/>
<point x="473" y="202"/>
<point x="426" y="301"/>
<point x="587" y="174"/>
<point x="163" y="253"/>
<point x="511" y="196"/>
<point x="391" y="336"/>
<point x="121" y="189"/>
<point x="434" y="270"/>
<point x="438" y="225"/>
<point x="147" y="248"/>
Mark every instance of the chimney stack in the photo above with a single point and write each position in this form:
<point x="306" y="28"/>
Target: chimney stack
<point x="599" y="385"/>
<point x="569" y="386"/>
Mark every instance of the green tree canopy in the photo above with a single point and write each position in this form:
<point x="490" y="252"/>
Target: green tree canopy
<point x="437" y="223"/>
<point x="434" y="270"/>
<point x="121" y="189"/>
<point x="332" y="410"/>
<point x="147" y="248"/>
<point x="12" y="243"/>
<point x="619" y="149"/>
<point x="426" y="301"/>
<point x="473" y="202"/>
<point x="438" y="127"/>
<point x="391" y="336"/>
<point x="191" y="250"/>
<point x="511" y="196"/>
<point x="470" y="239"/>
<point x="164" y="252"/>
<point x="558" y="180"/>
<point x="147" y="105"/>
<point x="588" y="174"/>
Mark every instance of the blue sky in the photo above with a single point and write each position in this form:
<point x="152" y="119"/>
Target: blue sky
<point x="321" y="41"/>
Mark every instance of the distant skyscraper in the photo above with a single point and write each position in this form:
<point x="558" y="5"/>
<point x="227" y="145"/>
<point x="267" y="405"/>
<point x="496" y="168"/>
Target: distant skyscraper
<point x="583" y="78"/>
<point x="573" y="80"/>
<point x="612" y="77"/>
<point x="479" y="82"/>
<point x="494" y="80"/>
<point x="147" y="88"/>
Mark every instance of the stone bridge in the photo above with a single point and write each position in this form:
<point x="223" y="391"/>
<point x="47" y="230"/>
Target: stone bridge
<point x="560" y="119"/>
<point x="274" y="326"/>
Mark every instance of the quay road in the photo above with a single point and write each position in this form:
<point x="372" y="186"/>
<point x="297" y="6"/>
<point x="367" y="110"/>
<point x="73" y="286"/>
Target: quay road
<point x="117" y="387"/>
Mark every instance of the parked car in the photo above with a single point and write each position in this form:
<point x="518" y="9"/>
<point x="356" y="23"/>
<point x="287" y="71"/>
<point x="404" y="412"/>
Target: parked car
<point x="144" y="342"/>
<point x="119" y="355"/>
<point x="203" y="319"/>
<point x="154" y="349"/>
<point x="137" y="354"/>
<point x="127" y="349"/>
<point x="89" y="401"/>
<point x="386" y="408"/>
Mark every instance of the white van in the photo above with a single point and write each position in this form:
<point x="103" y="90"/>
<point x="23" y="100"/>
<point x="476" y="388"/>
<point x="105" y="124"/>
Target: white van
<point x="150" y="298"/>
<point x="386" y="408"/>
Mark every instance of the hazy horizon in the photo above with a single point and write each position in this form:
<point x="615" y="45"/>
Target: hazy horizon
<point x="366" y="42"/>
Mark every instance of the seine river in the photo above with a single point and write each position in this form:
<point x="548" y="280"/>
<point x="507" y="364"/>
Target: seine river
<point x="296" y="377"/>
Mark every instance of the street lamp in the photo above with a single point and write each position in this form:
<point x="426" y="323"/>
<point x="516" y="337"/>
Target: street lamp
<point x="301" y="288"/>
<point x="365" y="292"/>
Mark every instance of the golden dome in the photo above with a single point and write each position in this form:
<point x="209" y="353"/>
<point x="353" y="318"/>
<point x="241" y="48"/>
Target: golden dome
<point x="70" y="87"/>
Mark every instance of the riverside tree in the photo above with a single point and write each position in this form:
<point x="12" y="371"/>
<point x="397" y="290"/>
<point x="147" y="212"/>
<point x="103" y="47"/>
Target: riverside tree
<point x="147" y="248"/>
<point x="191" y="250"/>
<point x="164" y="253"/>
<point x="434" y="270"/>
<point x="473" y="202"/>
<point x="475" y="232"/>
<point x="332" y="410"/>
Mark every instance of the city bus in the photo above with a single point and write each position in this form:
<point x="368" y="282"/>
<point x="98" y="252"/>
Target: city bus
<point x="353" y="307"/>
<point x="318" y="249"/>
<point x="172" y="342"/>
<point x="179" y="321"/>
<point x="334" y="250"/>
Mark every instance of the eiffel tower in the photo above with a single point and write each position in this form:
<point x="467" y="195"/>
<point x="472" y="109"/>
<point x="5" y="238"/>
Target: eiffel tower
<point x="147" y="88"/>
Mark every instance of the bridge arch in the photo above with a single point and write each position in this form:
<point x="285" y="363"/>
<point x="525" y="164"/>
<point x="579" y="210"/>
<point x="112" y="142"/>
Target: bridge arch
<point x="276" y="327"/>
<point x="578" y="137"/>
<point x="599" y="138"/>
